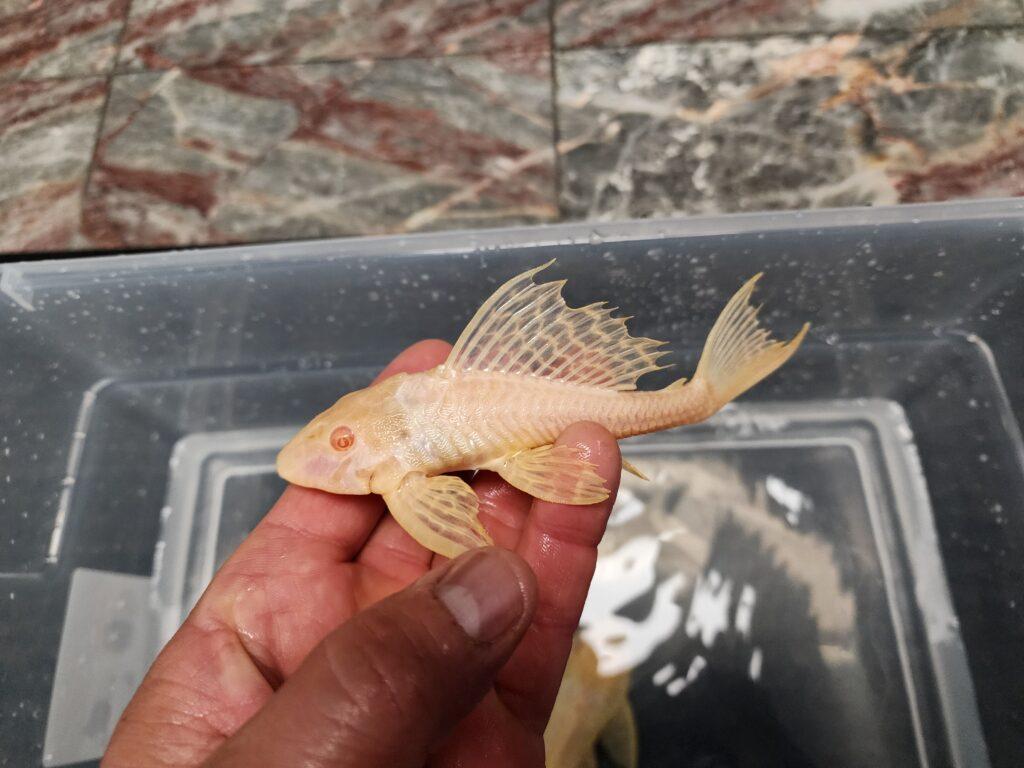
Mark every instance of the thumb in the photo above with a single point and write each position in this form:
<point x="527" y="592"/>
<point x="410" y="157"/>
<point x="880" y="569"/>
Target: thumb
<point x="388" y="685"/>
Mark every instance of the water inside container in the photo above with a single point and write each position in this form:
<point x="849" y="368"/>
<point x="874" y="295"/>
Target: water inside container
<point x="752" y="591"/>
<point x="125" y="366"/>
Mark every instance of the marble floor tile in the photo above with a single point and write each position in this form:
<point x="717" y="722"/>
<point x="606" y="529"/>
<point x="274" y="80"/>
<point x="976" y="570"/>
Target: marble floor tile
<point x="190" y="33"/>
<point x="47" y="132"/>
<point x="608" y="23"/>
<point x="228" y="155"/>
<point x="59" y="38"/>
<point x="786" y="122"/>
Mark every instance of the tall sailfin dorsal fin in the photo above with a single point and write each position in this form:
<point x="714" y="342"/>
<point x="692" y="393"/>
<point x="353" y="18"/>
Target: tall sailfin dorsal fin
<point x="527" y="329"/>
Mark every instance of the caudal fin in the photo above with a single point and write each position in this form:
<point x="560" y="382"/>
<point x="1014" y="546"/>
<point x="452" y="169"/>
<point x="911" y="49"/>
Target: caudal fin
<point x="738" y="352"/>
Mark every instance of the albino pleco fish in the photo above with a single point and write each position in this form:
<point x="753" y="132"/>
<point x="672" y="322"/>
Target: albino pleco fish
<point x="590" y="710"/>
<point x="525" y="368"/>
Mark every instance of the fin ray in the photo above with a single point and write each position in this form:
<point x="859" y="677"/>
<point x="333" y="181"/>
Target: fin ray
<point x="439" y="512"/>
<point x="527" y="329"/>
<point x="553" y="473"/>
<point x="630" y="467"/>
<point x="738" y="352"/>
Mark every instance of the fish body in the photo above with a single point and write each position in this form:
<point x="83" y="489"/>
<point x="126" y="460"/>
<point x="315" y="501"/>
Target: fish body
<point x="590" y="710"/>
<point x="525" y="368"/>
<point x="475" y="420"/>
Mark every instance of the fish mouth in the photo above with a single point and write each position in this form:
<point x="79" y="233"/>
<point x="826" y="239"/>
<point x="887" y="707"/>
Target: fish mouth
<point x="303" y="467"/>
<point x="285" y="467"/>
<point x="306" y="466"/>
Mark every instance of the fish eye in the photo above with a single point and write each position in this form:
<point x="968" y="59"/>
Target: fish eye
<point x="342" y="438"/>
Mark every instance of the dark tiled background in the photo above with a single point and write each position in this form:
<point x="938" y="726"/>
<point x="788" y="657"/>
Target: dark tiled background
<point x="137" y="123"/>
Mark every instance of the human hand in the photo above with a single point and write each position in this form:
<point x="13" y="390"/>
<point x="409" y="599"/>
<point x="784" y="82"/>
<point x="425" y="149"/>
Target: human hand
<point x="331" y="638"/>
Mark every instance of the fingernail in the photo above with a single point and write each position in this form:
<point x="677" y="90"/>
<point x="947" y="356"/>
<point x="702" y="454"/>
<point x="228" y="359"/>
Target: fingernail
<point x="483" y="595"/>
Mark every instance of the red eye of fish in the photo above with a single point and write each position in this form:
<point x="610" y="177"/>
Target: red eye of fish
<point x="342" y="438"/>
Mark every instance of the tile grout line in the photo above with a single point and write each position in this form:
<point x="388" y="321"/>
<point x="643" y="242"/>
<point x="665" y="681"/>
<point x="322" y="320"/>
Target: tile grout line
<point x="556" y="132"/>
<point x="87" y="183"/>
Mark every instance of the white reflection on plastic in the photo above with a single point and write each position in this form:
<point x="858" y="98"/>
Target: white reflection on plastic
<point x="756" y="659"/>
<point x="745" y="610"/>
<point x="621" y="644"/>
<point x="664" y="674"/>
<point x="709" y="609"/>
<point x="679" y="684"/>
<point x="622" y="576"/>
<point x="794" y="501"/>
<point x="105" y="648"/>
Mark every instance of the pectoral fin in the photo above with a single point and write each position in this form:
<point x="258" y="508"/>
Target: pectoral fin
<point x="553" y="473"/>
<point x="439" y="512"/>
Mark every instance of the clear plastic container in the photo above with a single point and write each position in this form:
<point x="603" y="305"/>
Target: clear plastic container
<point x="794" y="587"/>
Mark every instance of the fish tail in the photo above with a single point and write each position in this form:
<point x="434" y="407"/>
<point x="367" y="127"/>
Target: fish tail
<point x="738" y="352"/>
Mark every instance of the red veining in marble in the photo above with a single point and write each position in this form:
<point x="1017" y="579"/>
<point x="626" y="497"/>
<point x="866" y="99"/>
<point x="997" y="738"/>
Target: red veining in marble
<point x="471" y="14"/>
<point x="410" y="137"/>
<point x="445" y="27"/>
<point x="333" y="107"/>
<point x="180" y="11"/>
<point x="655" y="24"/>
<point x="190" y="190"/>
<point x="117" y="221"/>
<point x="47" y="127"/>
<point x="35" y="223"/>
<point x="1001" y="172"/>
<point x="434" y="38"/>
<point x="143" y="27"/>
<point x="40" y="29"/>
<point x="13" y="100"/>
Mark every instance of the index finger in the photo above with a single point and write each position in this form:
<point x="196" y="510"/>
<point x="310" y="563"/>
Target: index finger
<point x="559" y="542"/>
<point x="421" y="356"/>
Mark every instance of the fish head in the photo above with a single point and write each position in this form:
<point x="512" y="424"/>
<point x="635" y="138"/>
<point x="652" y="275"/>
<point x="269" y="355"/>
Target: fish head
<point x="340" y="450"/>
